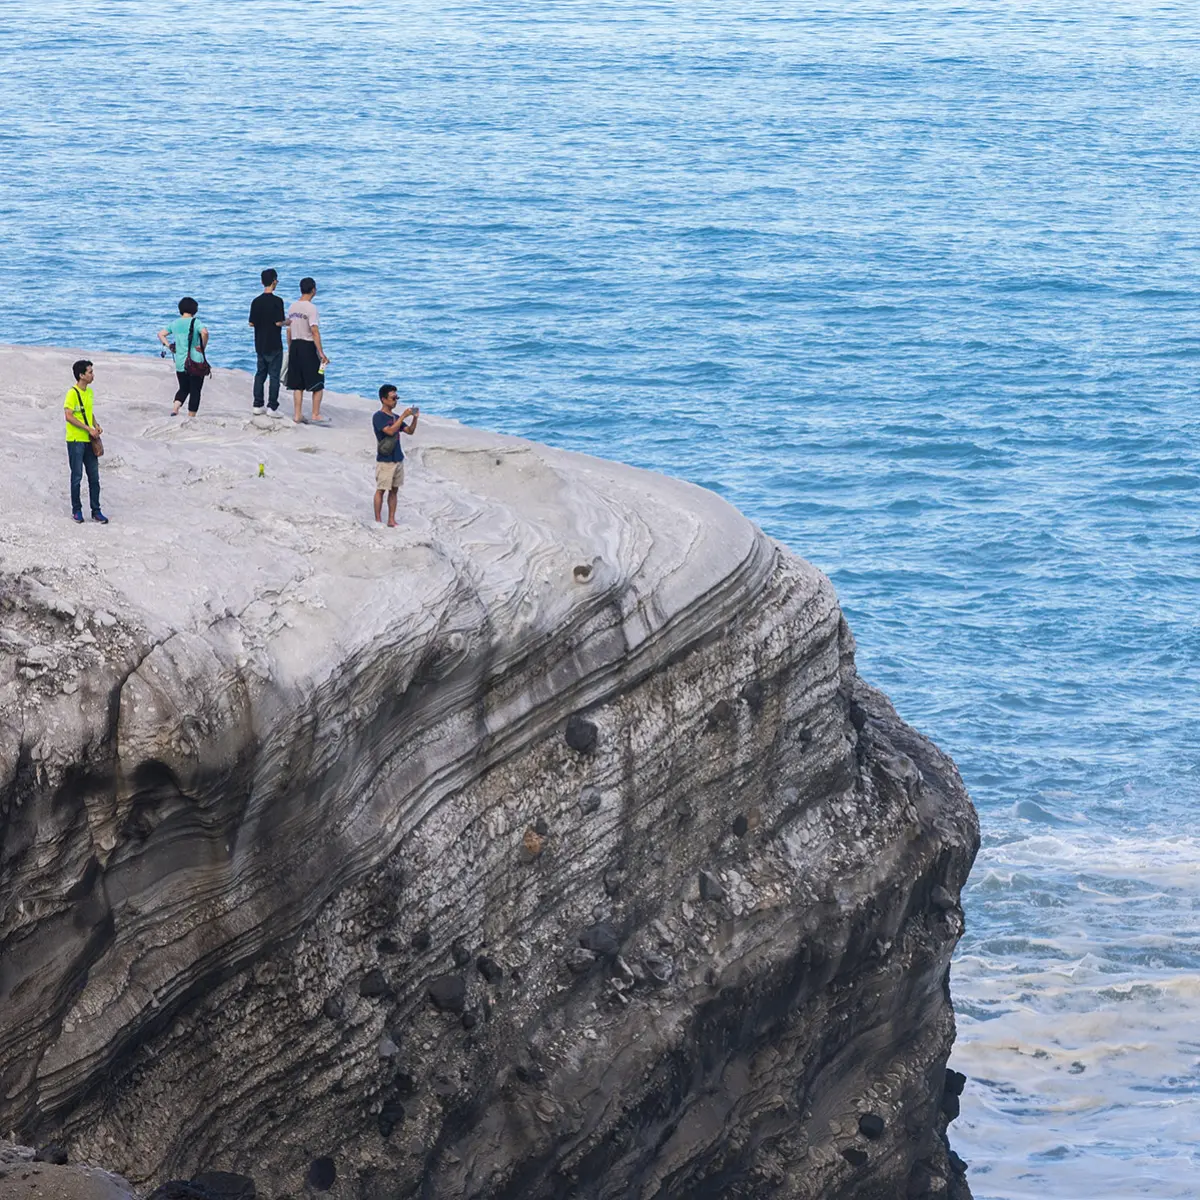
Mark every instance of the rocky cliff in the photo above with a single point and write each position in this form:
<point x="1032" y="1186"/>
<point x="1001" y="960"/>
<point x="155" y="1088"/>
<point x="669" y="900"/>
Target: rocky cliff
<point x="546" y="846"/>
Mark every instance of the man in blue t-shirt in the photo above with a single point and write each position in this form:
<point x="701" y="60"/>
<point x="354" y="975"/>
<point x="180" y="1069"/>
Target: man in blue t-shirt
<point x="389" y="458"/>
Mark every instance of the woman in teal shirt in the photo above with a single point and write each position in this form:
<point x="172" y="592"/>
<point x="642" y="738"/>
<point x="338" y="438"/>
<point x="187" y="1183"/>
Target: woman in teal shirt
<point x="186" y="330"/>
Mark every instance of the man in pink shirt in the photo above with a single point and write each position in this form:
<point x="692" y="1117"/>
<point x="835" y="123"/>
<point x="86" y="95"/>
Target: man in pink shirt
<point x="306" y="356"/>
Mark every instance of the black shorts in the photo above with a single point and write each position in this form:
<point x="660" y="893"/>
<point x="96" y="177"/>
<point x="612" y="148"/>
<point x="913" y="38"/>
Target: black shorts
<point x="303" y="373"/>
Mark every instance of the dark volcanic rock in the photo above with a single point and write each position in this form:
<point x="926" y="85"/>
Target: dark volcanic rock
<point x="225" y="1185"/>
<point x="956" y="1082"/>
<point x="489" y="968"/>
<point x="871" y="1125"/>
<point x="582" y="735"/>
<point x="942" y="899"/>
<point x="322" y="1174"/>
<point x="448" y="993"/>
<point x="601" y="938"/>
<point x="374" y="984"/>
<point x="710" y="887"/>
<point x="53" y="1153"/>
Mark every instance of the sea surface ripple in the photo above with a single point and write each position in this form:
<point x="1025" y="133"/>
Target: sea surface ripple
<point x="912" y="284"/>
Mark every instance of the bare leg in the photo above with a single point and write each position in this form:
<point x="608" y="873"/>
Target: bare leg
<point x="392" y="494"/>
<point x="317" y="404"/>
<point x="379" y="505"/>
<point x="298" y="396"/>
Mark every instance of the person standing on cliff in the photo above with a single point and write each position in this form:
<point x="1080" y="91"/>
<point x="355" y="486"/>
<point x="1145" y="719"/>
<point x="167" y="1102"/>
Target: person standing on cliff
<point x="187" y="338"/>
<point x="389" y="457"/>
<point x="267" y="319"/>
<point x="82" y="427"/>
<point x="306" y="356"/>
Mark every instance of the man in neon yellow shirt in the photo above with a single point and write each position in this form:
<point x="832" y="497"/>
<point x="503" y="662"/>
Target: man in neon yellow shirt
<point x="82" y="426"/>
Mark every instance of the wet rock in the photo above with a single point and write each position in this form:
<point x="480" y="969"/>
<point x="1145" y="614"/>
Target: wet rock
<point x="582" y="735"/>
<point x="489" y="968"/>
<point x="942" y="900"/>
<point x="322" y="1174"/>
<point x="52" y="1153"/>
<point x="741" y="826"/>
<point x="373" y="985"/>
<point x="956" y="1081"/>
<point x="871" y="1126"/>
<point x="602" y="939"/>
<point x="710" y="887"/>
<point x="448" y="993"/>
<point x="854" y="1156"/>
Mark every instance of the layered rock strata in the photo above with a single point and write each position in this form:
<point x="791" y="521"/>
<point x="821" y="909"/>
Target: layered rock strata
<point x="546" y="846"/>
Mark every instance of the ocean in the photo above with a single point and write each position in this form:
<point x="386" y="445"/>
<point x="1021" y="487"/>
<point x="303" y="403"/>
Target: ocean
<point x="912" y="283"/>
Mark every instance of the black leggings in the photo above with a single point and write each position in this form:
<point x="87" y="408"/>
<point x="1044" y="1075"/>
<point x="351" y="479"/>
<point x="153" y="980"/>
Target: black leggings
<point x="189" y="390"/>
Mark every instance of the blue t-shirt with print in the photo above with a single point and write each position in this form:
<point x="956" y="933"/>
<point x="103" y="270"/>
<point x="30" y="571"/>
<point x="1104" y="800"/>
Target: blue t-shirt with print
<point x="381" y="420"/>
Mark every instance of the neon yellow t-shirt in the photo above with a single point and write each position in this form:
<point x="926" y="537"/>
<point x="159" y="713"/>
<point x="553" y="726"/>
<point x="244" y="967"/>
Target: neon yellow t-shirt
<point x="79" y="401"/>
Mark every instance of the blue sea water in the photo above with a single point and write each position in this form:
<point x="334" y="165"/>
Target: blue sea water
<point x="912" y="283"/>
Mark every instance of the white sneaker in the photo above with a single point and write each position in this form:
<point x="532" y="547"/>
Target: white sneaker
<point x="257" y="410"/>
<point x="274" y="413"/>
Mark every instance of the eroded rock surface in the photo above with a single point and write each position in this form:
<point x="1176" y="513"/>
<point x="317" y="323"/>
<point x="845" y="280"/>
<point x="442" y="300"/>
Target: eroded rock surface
<point x="547" y="846"/>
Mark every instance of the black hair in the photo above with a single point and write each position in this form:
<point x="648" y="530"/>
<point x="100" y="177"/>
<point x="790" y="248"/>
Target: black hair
<point x="80" y="368"/>
<point x="386" y="389"/>
<point x="188" y="307"/>
<point x="307" y="284"/>
<point x="269" y="276"/>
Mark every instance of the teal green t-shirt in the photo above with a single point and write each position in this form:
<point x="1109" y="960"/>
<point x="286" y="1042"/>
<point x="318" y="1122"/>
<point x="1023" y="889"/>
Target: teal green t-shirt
<point x="177" y="332"/>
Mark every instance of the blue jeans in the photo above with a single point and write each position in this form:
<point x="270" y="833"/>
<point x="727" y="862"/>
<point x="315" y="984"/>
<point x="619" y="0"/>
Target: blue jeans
<point x="82" y="458"/>
<point x="268" y="364"/>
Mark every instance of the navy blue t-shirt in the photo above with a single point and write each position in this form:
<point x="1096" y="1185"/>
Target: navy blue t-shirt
<point x="381" y="420"/>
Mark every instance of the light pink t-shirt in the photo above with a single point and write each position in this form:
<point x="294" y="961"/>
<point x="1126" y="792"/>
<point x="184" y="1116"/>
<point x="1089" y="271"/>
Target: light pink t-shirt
<point x="302" y="316"/>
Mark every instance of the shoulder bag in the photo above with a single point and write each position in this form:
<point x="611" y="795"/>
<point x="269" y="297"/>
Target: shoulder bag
<point x="190" y="365"/>
<point x="97" y="444"/>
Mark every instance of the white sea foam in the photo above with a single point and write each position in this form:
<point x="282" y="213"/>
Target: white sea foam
<point x="1078" y="990"/>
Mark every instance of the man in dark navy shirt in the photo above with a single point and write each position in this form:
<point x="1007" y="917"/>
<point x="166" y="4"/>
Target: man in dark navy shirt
<point x="267" y="317"/>
<point x="389" y="457"/>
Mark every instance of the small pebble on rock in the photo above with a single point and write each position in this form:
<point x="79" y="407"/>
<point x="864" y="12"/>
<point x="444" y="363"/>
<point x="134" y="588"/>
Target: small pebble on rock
<point x="589" y="800"/>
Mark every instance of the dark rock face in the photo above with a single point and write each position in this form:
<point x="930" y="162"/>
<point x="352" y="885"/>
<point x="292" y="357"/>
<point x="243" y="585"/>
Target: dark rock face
<point x="745" y="884"/>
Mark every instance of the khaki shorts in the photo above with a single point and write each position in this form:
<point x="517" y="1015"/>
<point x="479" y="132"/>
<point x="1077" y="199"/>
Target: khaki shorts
<point x="389" y="476"/>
